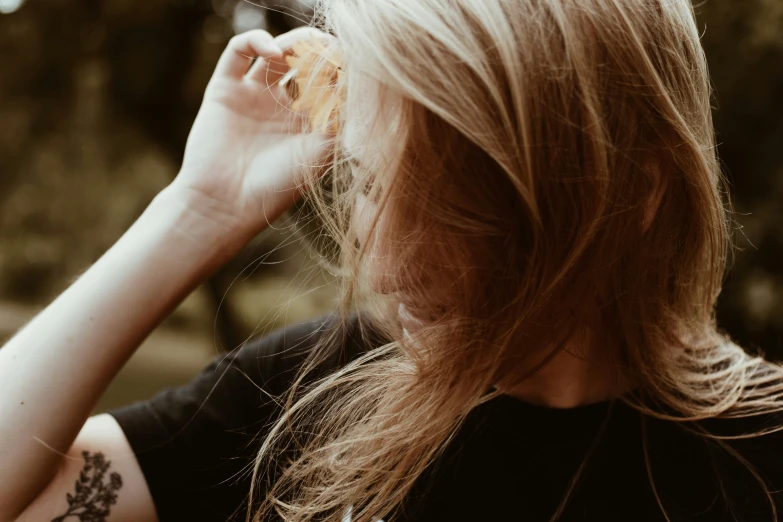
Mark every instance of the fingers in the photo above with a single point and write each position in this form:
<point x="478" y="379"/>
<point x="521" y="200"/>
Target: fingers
<point x="237" y="61"/>
<point x="242" y="49"/>
<point x="286" y="40"/>
<point x="270" y="70"/>
<point x="273" y="69"/>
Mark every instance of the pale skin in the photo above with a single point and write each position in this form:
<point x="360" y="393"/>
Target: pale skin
<point x="236" y="178"/>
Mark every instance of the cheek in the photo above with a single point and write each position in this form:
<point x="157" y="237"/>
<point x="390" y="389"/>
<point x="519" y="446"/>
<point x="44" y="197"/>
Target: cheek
<point x="378" y="264"/>
<point x="362" y="218"/>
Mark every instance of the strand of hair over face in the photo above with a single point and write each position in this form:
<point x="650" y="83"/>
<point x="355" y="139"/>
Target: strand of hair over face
<point x="511" y="143"/>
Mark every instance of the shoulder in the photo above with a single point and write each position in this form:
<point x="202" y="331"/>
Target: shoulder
<point x="745" y="456"/>
<point x="720" y="467"/>
<point x="329" y="342"/>
<point x="239" y="389"/>
<point x="193" y="443"/>
<point x="758" y="438"/>
<point x="752" y="437"/>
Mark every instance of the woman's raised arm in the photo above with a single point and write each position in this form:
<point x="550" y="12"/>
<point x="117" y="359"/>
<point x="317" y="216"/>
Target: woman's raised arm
<point x="55" y="369"/>
<point x="236" y="177"/>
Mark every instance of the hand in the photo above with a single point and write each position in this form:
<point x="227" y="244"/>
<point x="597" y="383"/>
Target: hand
<point x="246" y="143"/>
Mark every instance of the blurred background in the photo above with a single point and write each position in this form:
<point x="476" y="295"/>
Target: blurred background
<point x="96" y="100"/>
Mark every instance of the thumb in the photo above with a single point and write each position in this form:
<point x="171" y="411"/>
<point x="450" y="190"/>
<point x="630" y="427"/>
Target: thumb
<point x="315" y="153"/>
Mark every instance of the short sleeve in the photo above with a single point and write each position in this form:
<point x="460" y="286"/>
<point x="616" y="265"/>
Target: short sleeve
<point x="196" y="443"/>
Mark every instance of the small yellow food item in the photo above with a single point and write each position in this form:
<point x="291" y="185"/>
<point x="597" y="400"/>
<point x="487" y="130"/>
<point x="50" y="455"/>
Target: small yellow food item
<point x="317" y="75"/>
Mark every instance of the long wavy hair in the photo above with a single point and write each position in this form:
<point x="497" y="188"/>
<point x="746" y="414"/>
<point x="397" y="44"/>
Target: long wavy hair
<point x="508" y="149"/>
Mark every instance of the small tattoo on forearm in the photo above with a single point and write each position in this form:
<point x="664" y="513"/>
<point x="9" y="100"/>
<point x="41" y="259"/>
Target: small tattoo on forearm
<point x="94" y="495"/>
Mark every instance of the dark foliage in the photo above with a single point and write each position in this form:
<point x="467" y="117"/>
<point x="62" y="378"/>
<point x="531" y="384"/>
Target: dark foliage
<point x="96" y="98"/>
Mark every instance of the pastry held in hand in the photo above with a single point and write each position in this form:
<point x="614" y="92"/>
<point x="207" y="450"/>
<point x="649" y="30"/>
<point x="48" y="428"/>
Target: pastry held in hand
<point x="316" y="71"/>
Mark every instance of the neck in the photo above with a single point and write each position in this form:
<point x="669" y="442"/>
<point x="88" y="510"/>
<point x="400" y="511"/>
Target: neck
<point x="576" y="375"/>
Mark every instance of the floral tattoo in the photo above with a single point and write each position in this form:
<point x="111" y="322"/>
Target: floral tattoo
<point x="94" y="494"/>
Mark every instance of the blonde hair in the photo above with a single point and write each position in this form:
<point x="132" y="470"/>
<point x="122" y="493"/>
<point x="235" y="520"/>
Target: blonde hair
<point x="510" y="209"/>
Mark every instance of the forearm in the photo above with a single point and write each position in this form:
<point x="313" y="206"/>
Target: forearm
<point x="55" y="369"/>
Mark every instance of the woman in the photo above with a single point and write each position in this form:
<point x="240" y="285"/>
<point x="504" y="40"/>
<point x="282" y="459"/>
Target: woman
<point x="529" y="211"/>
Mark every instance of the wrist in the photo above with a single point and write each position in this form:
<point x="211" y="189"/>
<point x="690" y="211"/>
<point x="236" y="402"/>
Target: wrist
<point x="200" y="220"/>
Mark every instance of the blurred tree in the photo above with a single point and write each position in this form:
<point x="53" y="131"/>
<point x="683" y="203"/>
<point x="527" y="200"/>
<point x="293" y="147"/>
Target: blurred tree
<point x="97" y="96"/>
<point x="116" y="69"/>
<point x="743" y="42"/>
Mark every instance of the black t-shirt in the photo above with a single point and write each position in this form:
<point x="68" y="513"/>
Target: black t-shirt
<point x="510" y="461"/>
